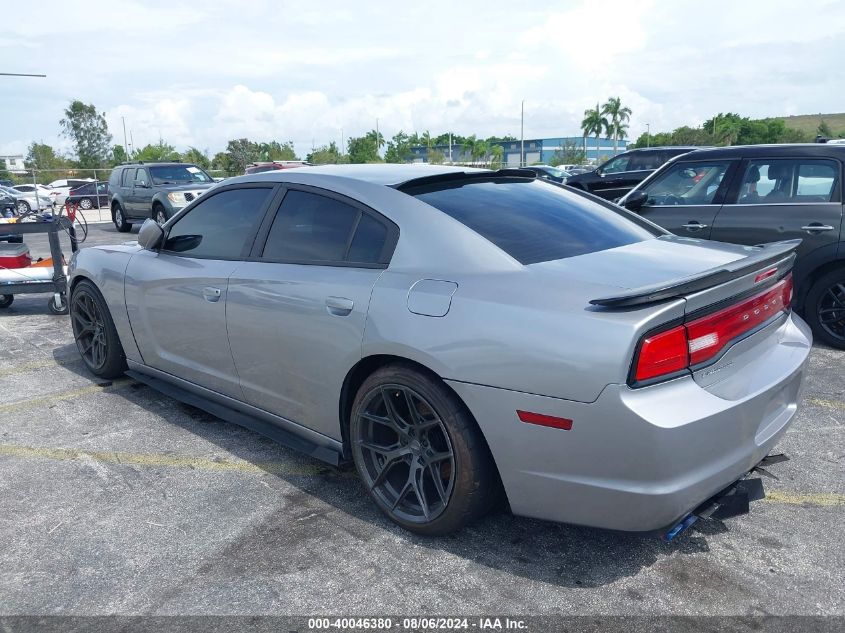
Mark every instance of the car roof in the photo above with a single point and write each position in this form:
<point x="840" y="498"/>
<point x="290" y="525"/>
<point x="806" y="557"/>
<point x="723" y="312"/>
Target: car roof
<point x="388" y="174"/>
<point x="678" y="148"/>
<point x="799" y="150"/>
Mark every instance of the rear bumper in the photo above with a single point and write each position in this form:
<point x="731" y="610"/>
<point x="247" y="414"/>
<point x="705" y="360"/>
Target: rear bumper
<point x="640" y="459"/>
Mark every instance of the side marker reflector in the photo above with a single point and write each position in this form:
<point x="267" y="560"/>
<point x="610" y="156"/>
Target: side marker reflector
<point x="544" y="420"/>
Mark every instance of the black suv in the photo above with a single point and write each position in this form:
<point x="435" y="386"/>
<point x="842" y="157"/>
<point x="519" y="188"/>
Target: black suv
<point x="138" y="191"/>
<point x="620" y="174"/>
<point x="763" y="193"/>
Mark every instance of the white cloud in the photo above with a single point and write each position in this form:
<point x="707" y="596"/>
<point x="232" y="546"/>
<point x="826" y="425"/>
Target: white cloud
<point x="287" y="71"/>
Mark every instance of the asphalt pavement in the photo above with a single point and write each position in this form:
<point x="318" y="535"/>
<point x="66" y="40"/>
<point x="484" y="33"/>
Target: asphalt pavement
<point x="115" y="499"/>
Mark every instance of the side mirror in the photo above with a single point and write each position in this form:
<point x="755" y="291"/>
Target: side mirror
<point x="634" y="201"/>
<point x="151" y="235"/>
<point x="141" y="183"/>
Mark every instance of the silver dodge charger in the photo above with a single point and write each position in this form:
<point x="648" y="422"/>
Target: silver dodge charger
<point x="460" y="335"/>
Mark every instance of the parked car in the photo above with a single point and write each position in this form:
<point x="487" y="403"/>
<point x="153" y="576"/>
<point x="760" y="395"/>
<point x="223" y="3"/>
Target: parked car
<point x="616" y="177"/>
<point x="62" y="187"/>
<point x="760" y="193"/>
<point x="449" y="330"/>
<point x="27" y="201"/>
<point x="5" y="182"/>
<point x="550" y="173"/>
<point x="85" y="197"/>
<point x="153" y="190"/>
<point x="272" y="165"/>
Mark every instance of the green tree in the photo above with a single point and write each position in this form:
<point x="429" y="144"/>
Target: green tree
<point x="241" y="152"/>
<point x="220" y="161"/>
<point x="569" y="154"/>
<point x="436" y="157"/>
<point x="119" y="155"/>
<point x="89" y="132"/>
<point x="364" y="149"/>
<point x="276" y="151"/>
<point x="4" y="173"/>
<point x="198" y="158"/>
<point x="161" y="151"/>
<point x="398" y="149"/>
<point x="480" y="151"/>
<point x="497" y="156"/>
<point x="326" y="155"/>
<point x="594" y="122"/>
<point x="618" y="116"/>
<point x="824" y="129"/>
<point x="43" y="156"/>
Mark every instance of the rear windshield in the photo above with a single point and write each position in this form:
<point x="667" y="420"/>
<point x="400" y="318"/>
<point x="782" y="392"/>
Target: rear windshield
<point x="533" y="221"/>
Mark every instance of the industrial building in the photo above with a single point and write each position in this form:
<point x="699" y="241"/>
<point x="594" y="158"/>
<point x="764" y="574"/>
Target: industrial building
<point x="537" y="150"/>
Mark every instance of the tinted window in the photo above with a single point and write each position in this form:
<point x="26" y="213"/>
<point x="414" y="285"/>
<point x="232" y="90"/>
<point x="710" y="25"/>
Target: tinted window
<point x="128" y="177"/>
<point x="218" y="227"/>
<point x="615" y="165"/>
<point x="772" y="181"/>
<point x="313" y="228"/>
<point x="533" y="221"/>
<point x="178" y="175"/>
<point x="687" y="183"/>
<point x="368" y="242"/>
<point x="644" y="161"/>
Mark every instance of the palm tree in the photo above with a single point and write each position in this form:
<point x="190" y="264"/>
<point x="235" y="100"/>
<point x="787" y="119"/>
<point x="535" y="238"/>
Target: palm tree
<point x="618" y="117"/>
<point x="594" y="123"/>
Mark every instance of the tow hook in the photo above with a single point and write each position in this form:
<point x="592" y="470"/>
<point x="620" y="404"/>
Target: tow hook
<point x="730" y="502"/>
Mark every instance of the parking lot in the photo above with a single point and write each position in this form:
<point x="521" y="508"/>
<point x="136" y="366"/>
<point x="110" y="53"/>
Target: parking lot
<point x="118" y="500"/>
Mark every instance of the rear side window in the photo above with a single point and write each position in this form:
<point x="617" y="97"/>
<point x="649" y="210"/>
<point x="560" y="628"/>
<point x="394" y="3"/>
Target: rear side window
<point x="531" y="220"/>
<point x="128" y="177"/>
<point x="311" y="228"/>
<point x="219" y="225"/>
<point x="789" y="181"/>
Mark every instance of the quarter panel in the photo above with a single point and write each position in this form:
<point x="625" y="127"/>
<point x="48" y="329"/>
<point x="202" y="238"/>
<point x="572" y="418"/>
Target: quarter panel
<point x="106" y="267"/>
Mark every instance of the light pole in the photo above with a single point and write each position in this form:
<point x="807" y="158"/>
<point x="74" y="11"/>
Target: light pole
<point x="125" y="146"/>
<point x="648" y="134"/>
<point x="522" y="135"/>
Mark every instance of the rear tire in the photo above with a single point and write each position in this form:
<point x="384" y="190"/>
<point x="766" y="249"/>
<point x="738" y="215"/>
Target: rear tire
<point x="6" y="300"/>
<point x="824" y="308"/>
<point x="120" y="222"/>
<point x="430" y="471"/>
<point x="86" y="204"/>
<point x="94" y="331"/>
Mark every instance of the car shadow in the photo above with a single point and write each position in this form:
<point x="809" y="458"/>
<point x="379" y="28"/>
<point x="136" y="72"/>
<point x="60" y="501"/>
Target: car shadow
<point x="558" y="554"/>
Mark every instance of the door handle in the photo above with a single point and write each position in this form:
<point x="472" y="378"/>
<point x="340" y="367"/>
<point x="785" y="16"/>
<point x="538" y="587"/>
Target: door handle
<point x="210" y="294"/>
<point x="339" y="306"/>
<point x="692" y="225"/>
<point x="817" y="226"/>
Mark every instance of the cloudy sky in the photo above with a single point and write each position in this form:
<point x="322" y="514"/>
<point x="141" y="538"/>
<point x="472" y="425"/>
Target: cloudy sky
<point x="200" y="73"/>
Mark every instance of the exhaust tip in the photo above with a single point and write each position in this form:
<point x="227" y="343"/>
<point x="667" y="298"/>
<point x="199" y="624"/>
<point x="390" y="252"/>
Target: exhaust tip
<point x="679" y="527"/>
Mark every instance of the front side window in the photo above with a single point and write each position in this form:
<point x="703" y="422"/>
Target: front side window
<point x="312" y="228"/>
<point x="616" y="165"/>
<point x="179" y="175"/>
<point x="686" y="183"/>
<point x="532" y="220"/>
<point x="218" y="226"/>
<point x="790" y="181"/>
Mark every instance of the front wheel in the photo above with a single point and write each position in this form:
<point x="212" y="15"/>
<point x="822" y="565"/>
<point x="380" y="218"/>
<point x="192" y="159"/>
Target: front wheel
<point x="419" y="452"/>
<point x="86" y="204"/>
<point x="23" y="207"/>
<point x="824" y="308"/>
<point x="94" y="331"/>
<point x="6" y="300"/>
<point x="57" y="304"/>
<point x="120" y="222"/>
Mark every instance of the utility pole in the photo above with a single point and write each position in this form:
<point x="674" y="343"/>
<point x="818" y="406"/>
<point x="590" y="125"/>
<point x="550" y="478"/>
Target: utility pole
<point x="522" y="135"/>
<point x="20" y="75"/>
<point x="648" y="134"/>
<point x="131" y="144"/>
<point x="125" y="146"/>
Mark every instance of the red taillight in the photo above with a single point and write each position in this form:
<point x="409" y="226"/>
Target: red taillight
<point x="709" y="335"/>
<point x="662" y="354"/>
<point x="703" y="339"/>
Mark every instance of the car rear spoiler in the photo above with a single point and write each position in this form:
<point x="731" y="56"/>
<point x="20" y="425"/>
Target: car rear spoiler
<point x="767" y="254"/>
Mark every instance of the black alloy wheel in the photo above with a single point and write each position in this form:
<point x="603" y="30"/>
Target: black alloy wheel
<point x="407" y="454"/>
<point x="419" y="452"/>
<point x="830" y="312"/>
<point x="94" y="332"/>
